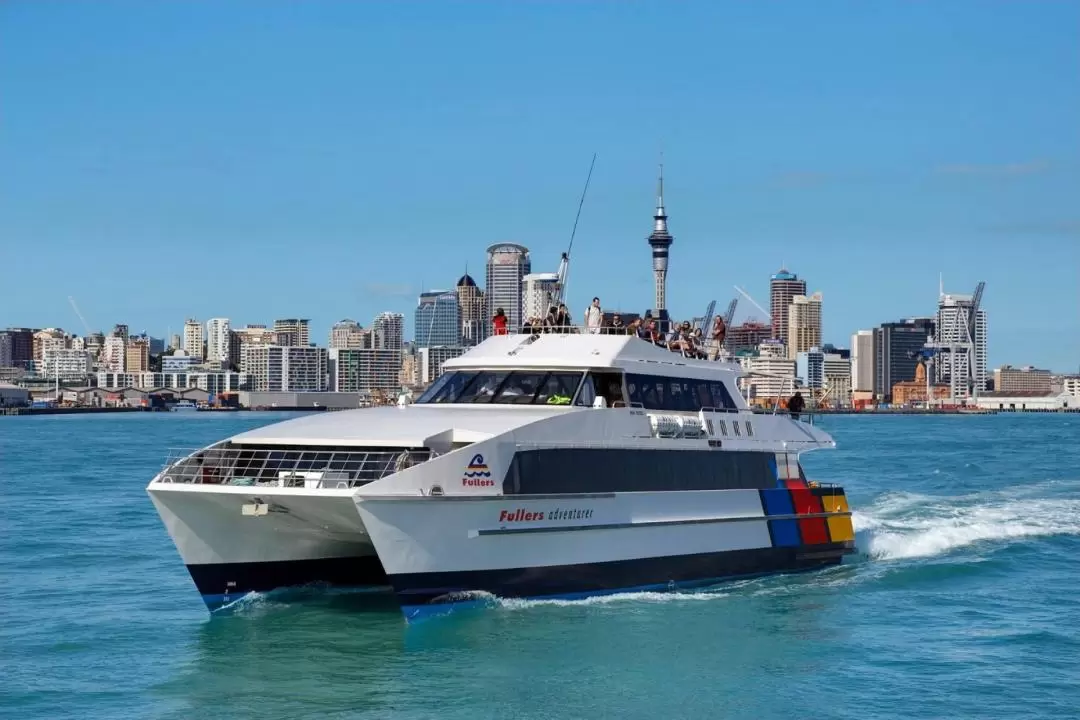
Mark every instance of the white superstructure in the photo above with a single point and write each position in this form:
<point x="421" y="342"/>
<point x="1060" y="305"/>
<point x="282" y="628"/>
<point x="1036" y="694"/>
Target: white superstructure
<point x="544" y="465"/>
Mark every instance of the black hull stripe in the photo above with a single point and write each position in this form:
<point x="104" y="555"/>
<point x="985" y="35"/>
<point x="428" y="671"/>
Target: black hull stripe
<point x="222" y="583"/>
<point x="606" y="577"/>
<point x="655" y="523"/>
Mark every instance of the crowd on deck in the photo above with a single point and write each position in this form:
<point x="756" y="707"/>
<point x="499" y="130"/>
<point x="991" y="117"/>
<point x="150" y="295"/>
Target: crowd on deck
<point x="682" y="338"/>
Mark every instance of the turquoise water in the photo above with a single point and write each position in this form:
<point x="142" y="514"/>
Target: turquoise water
<point x="962" y="603"/>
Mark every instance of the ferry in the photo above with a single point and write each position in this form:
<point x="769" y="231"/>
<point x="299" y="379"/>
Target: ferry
<point x="537" y="466"/>
<point x="184" y="405"/>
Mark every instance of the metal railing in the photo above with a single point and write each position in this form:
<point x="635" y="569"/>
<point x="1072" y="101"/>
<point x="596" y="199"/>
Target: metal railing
<point x="282" y="466"/>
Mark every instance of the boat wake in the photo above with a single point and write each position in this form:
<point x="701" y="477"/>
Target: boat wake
<point x="909" y="525"/>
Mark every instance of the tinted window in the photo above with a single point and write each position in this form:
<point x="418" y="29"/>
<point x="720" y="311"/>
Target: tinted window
<point x="503" y="387"/>
<point x="678" y="394"/>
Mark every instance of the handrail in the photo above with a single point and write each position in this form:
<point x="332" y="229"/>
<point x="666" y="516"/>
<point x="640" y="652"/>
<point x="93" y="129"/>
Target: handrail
<point x="287" y="466"/>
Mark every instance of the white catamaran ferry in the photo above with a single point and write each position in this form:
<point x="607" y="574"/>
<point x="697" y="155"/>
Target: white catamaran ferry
<point x="550" y="465"/>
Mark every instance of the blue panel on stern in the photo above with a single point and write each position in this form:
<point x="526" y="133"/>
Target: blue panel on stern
<point x="777" y="501"/>
<point x="785" y="533"/>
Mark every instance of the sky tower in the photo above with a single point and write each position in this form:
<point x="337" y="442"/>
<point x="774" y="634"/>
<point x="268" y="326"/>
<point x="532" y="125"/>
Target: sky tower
<point x="660" y="241"/>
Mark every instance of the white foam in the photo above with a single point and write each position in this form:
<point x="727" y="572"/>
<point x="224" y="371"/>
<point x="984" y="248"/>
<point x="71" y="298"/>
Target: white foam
<point x="613" y="598"/>
<point x="907" y="525"/>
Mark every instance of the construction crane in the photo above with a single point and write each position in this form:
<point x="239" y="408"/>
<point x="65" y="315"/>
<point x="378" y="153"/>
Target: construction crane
<point x="729" y="314"/>
<point x="86" y="325"/>
<point x="754" y="303"/>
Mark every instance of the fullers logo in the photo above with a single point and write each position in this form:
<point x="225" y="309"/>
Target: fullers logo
<point x="477" y="473"/>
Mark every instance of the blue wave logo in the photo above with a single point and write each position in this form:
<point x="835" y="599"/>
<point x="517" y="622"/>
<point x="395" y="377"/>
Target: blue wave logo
<point x="477" y="467"/>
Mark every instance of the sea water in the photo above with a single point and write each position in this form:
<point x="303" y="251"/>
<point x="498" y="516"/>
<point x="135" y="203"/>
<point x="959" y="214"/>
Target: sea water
<point x="964" y="600"/>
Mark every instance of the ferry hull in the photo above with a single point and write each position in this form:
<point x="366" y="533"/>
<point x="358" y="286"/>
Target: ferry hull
<point x="442" y="551"/>
<point x="234" y="543"/>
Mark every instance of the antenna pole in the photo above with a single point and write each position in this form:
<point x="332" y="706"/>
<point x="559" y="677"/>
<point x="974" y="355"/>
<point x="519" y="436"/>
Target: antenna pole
<point x="564" y="266"/>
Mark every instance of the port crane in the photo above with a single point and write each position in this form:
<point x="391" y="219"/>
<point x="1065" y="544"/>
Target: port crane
<point x="959" y="344"/>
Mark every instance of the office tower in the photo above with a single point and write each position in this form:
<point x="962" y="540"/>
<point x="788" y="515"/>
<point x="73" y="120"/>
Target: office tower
<point x="292" y="332"/>
<point x="137" y="355"/>
<point x="348" y="335"/>
<point x="804" y="324"/>
<point x="474" y="320"/>
<point x="745" y="338"/>
<point x="1008" y="379"/>
<point x="438" y="319"/>
<point x="862" y="361"/>
<point x="387" y="331"/>
<point x="507" y="265"/>
<point x="783" y="287"/>
<point x="6" y="347"/>
<point x="218" y="340"/>
<point x="22" y="346"/>
<point x="121" y="330"/>
<point x="810" y="368"/>
<point x="896" y="349"/>
<point x="194" y="339"/>
<point x="954" y="312"/>
<point x="540" y="293"/>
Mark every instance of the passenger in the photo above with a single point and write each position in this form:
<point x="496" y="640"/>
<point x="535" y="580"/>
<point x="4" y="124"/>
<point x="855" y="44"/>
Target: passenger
<point x="562" y="319"/>
<point x="617" y="327"/>
<point x="634" y="328"/>
<point x="498" y="322"/>
<point x="594" y="317"/>
<point x="551" y="319"/>
<point x="796" y="405"/>
<point x="653" y="334"/>
<point x="679" y="339"/>
<point x="719" y="332"/>
<point x="698" y="343"/>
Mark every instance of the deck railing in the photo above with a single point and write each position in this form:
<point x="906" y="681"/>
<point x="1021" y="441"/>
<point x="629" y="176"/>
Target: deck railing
<point x="287" y="467"/>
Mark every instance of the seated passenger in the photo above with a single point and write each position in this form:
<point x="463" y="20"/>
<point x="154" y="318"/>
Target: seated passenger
<point x="617" y="327"/>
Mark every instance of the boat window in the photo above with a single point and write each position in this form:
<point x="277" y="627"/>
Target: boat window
<point x="656" y="392"/>
<point x="504" y="387"/>
<point x="587" y="394"/>
<point x="483" y="387"/>
<point x="558" y="388"/>
<point x="609" y="385"/>
<point x="447" y="388"/>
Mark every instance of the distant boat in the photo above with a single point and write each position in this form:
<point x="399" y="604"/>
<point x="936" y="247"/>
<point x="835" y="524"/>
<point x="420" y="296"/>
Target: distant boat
<point x="185" y="405"/>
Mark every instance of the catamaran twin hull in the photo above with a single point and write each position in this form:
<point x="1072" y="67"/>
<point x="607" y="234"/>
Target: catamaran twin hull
<point x="433" y="550"/>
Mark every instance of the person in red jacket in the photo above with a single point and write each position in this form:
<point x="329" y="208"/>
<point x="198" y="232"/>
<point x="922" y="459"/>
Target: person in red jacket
<point x="498" y="322"/>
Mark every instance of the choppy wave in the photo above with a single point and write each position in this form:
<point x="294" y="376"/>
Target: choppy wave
<point x="910" y="525"/>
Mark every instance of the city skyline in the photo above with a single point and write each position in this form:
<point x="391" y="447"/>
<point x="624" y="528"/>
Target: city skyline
<point x="867" y="149"/>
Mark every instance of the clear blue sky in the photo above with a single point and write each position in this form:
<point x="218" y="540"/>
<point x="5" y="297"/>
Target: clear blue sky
<point x="255" y="160"/>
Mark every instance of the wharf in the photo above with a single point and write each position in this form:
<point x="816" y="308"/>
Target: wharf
<point x="70" y="410"/>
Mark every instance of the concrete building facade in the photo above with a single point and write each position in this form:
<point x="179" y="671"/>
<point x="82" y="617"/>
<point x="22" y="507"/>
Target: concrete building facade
<point x="507" y="265"/>
<point x="804" y="324"/>
<point x="1008" y="379"/>
<point x="783" y="287"/>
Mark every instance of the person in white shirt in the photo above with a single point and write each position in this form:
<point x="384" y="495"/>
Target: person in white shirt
<point x="594" y="317"/>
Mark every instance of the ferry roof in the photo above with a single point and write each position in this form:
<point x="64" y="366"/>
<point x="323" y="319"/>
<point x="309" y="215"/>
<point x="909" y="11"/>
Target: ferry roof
<point x="584" y="350"/>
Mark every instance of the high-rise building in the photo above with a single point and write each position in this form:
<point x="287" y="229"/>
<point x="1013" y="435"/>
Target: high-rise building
<point x="364" y="370"/>
<point x="67" y="364"/>
<point x="783" y="287"/>
<point x="194" y="339"/>
<point x="804" y="324"/>
<point x="277" y="368"/>
<point x="175" y="342"/>
<point x="1008" y="379"/>
<point x="6" y="346"/>
<point x="810" y="368"/>
<point x="349" y="335"/>
<point x="474" y="321"/>
<point x="293" y="332"/>
<point x="896" y="349"/>
<point x="49" y="339"/>
<point x="113" y="354"/>
<point x="541" y="291"/>
<point x="660" y="241"/>
<point x="121" y="330"/>
<point x="22" y="346"/>
<point x="137" y="355"/>
<point x="438" y="319"/>
<point x="218" y="340"/>
<point x="954" y="312"/>
<point x="862" y="361"/>
<point x="507" y="264"/>
<point x="388" y="331"/>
